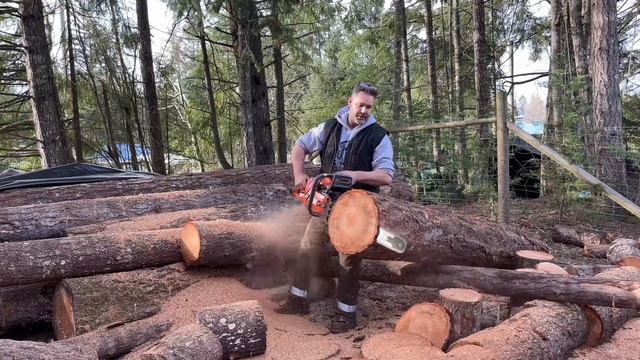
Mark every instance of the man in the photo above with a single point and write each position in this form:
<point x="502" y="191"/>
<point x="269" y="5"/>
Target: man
<point x="351" y="144"/>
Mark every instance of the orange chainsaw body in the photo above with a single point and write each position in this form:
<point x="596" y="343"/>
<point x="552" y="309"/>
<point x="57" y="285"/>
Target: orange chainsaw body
<point x="322" y="191"/>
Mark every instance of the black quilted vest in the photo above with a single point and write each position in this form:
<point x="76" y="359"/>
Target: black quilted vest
<point x="359" y="153"/>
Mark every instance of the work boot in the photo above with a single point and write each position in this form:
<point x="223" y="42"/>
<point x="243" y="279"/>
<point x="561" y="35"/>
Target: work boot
<point x="343" y="322"/>
<point x="294" y="305"/>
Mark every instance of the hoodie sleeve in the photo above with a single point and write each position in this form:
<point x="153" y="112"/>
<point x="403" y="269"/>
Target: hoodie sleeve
<point x="383" y="157"/>
<point x="313" y="140"/>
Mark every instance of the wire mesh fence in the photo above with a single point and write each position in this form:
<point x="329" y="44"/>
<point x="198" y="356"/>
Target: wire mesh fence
<point x="463" y="172"/>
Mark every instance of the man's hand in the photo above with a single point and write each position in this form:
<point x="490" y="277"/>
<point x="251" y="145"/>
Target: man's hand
<point x="299" y="181"/>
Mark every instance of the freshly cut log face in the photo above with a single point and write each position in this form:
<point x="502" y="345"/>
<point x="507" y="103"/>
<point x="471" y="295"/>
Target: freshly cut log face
<point x="378" y="345"/>
<point x="595" y="335"/>
<point x="429" y="320"/>
<point x="415" y="352"/>
<point x="353" y="225"/>
<point x="551" y="268"/>
<point x="464" y="307"/>
<point x="530" y="258"/>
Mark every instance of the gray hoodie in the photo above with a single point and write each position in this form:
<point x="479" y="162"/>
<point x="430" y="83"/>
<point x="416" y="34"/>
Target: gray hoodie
<point x="314" y="139"/>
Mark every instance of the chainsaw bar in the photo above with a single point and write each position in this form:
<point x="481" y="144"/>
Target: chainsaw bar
<point x="391" y="241"/>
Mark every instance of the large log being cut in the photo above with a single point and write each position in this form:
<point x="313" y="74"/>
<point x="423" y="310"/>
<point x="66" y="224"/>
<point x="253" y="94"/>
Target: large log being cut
<point x="27" y="262"/>
<point x="49" y="220"/>
<point x="358" y="218"/>
<point x="240" y="328"/>
<point x="84" y="304"/>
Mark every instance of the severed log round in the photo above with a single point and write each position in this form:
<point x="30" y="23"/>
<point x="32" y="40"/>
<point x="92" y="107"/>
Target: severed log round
<point x="543" y="331"/>
<point x="112" y="341"/>
<point x="25" y="305"/>
<point x="31" y="350"/>
<point x="429" y="320"/>
<point x="27" y="262"/>
<point x="602" y="291"/>
<point x="464" y="307"/>
<point x="193" y="341"/>
<point x="529" y="259"/>
<point x="551" y="268"/>
<point x="378" y="345"/>
<point x="84" y="304"/>
<point x="623" y="249"/>
<point x="432" y="235"/>
<point x="31" y="222"/>
<point x="218" y="243"/>
<point x="240" y="328"/>
<point x="595" y="250"/>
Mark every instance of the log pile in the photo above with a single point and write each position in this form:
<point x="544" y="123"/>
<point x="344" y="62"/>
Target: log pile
<point x="98" y="261"/>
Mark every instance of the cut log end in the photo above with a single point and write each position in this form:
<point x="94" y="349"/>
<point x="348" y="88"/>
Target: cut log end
<point x="595" y="335"/>
<point x="354" y="222"/>
<point x="429" y="320"/>
<point x="531" y="258"/>
<point x="379" y="345"/>
<point x="190" y="244"/>
<point x="551" y="268"/>
<point x="64" y="325"/>
<point x="629" y="261"/>
<point x="461" y="295"/>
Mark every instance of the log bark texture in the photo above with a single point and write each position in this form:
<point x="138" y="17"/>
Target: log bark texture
<point x="27" y="262"/>
<point x="595" y="250"/>
<point x="50" y="220"/>
<point x="193" y="342"/>
<point x="240" y="328"/>
<point x="566" y="235"/>
<point x="86" y="304"/>
<point x="432" y="235"/>
<point x="465" y="308"/>
<point x="25" y="305"/>
<point x="526" y="285"/>
<point x="31" y="350"/>
<point x="543" y="330"/>
<point x="621" y="248"/>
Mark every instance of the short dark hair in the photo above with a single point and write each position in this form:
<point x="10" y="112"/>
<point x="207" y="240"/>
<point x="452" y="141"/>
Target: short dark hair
<point x="366" y="88"/>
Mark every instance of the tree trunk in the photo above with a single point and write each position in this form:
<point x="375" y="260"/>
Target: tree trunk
<point x="283" y="147"/>
<point x="193" y="341"/>
<point x="113" y="146"/>
<point x="483" y="94"/>
<point x="240" y="328"/>
<point x="404" y="52"/>
<point x="396" y="101"/>
<point x="607" y="115"/>
<point x="50" y="220"/>
<point x="213" y="117"/>
<point x="544" y="330"/>
<point x="254" y="104"/>
<point x="429" y="320"/>
<point x="461" y="145"/>
<point x="85" y="304"/>
<point x="433" y="236"/>
<point x="21" y="306"/>
<point x="148" y="78"/>
<point x="526" y="285"/>
<point x="77" y="134"/>
<point x="433" y="80"/>
<point x="47" y="117"/>
<point x="51" y="259"/>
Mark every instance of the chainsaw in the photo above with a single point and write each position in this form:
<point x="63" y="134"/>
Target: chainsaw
<point x="319" y="195"/>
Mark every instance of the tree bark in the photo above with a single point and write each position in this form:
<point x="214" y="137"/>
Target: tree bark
<point x="53" y="144"/>
<point x="254" y="103"/>
<point x="25" y="305"/>
<point x="77" y="134"/>
<point x="31" y="350"/>
<point x="85" y="304"/>
<point x="433" y="80"/>
<point x="543" y="330"/>
<point x="607" y="107"/>
<point x="148" y="78"/>
<point x="464" y="307"/>
<point x="51" y="259"/>
<point x="595" y="250"/>
<point x="213" y="117"/>
<point x="622" y="248"/>
<point x="483" y="92"/>
<point x="113" y="146"/>
<point x="50" y="220"/>
<point x="432" y="235"/>
<point x="276" y="30"/>
<point x="461" y="146"/>
<point x="240" y="328"/>
<point x="193" y="341"/>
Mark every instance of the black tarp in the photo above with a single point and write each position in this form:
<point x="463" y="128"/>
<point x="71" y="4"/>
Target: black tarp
<point x="66" y="175"/>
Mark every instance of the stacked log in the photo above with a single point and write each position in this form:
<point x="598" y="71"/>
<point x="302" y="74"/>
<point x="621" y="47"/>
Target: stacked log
<point x="624" y="252"/>
<point x="25" y="305"/>
<point x="194" y="342"/>
<point x="464" y="307"/>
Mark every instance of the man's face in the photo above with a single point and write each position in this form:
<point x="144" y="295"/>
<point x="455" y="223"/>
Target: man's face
<point x="360" y="107"/>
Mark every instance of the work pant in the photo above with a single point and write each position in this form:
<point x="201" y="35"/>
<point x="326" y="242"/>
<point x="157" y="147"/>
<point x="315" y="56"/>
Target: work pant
<point x="313" y="259"/>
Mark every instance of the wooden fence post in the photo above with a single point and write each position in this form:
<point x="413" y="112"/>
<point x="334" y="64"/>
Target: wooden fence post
<point x="502" y="133"/>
